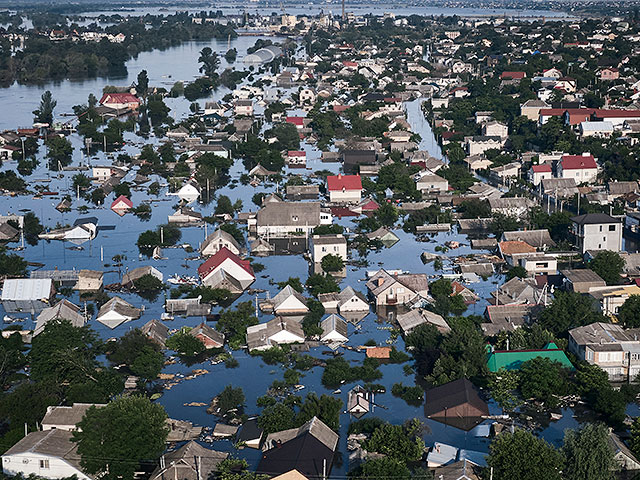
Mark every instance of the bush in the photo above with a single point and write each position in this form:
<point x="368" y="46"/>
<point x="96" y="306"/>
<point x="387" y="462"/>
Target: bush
<point x="411" y="395"/>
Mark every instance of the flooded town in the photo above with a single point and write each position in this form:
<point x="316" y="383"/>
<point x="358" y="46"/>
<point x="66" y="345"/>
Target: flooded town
<point x="323" y="241"/>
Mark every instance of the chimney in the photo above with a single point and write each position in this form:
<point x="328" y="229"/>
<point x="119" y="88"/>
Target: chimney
<point x="339" y="176"/>
<point x="380" y="281"/>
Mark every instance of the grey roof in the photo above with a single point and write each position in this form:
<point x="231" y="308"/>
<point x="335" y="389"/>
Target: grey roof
<point x="284" y="294"/>
<point x="218" y="235"/>
<point x="329" y="239"/>
<point x="120" y="306"/>
<point x="410" y="320"/>
<point x="54" y="443"/>
<point x="620" y="188"/>
<point x="382" y="233"/>
<point x="348" y="293"/>
<point x="416" y="282"/>
<point x="69" y="416"/>
<point x="7" y="232"/>
<point x="594" y="219"/>
<point x="63" y="310"/>
<point x="315" y="427"/>
<point x="564" y="186"/>
<point x="334" y="323"/>
<point x="259" y="335"/>
<point x="26" y="289"/>
<point x="535" y="103"/>
<point x="461" y="470"/>
<point x="289" y="213"/>
<point x="192" y="461"/>
<point x="135" y="274"/>
<point x="582" y="275"/>
<point x="598" y="335"/>
<point x="535" y="238"/>
<point x="156" y="331"/>
<point x="510" y="202"/>
<point x="207" y="331"/>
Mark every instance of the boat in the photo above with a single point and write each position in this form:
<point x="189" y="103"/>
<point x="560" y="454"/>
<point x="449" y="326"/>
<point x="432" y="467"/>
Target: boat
<point x="336" y="392"/>
<point x="166" y="316"/>
<point x="8" y="319"/>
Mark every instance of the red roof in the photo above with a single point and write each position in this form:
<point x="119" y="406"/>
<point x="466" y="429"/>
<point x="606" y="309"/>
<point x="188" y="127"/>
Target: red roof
<point x="340" y="108"/>
<point x="349" y="64"/>
<point x="552" y="112"/>
<point x="122" y="199"/>
<point x="336" y="183"/>
<point x="579" y="115"/>
<point x="371" y="205"/>
<point x="119" y="98"/>
<point x="513" y="75"/>
<point x="296" y="120"/>
<point x="221" y="255"/>
<point x="544" y="168"/>
<point x="602" y="113"/>
<point x="297" y="153"/>
<point x="578" y="162"/>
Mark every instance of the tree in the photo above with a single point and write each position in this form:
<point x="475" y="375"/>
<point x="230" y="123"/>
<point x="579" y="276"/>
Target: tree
<point x="629" y="312"/>
<point x="568" y="310"/>
<point x="139" y="353"/>
<point x="504" y="388"/>
<point x="588" y="454"/>
<point x="209" y="60"/>
<point x="59" y="152"/>
<point x="234" y="323"/>
<point x="400" y="442"/>
<point x="517" y="271"/>
<point x="608" y="265"/>
<point x="142" y="85"/>
<point x="32" y="228"/>
<point x="44" y="113"/>
<point x="332" y="263"/>
<point x="148" y="283"/>
<point x="544" y="380"/>
<point x="523" y="456"/>
<point x="276" y="418"/>
<point x="115" y="439"/>
<point x="184" y="343"/>
<point x="317" y="284"/>
<point x="229" y="399"/>
<point x="224" y="206"/>
<point x="378" y="468"/>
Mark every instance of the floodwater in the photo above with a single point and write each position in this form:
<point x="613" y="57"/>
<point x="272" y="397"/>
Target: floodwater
<point x="252" y="375"/>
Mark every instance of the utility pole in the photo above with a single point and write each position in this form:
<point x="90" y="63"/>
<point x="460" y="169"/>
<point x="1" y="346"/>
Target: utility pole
<point x="344" y="15"/>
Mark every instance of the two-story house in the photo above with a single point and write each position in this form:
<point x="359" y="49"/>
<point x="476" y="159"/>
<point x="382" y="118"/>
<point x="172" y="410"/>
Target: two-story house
<point x="597" y="231"/>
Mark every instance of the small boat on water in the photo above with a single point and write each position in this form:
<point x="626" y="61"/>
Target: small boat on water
<point x="8" y="319"/>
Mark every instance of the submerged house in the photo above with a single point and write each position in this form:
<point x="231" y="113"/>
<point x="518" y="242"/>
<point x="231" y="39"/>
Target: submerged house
<point x="308" y="449"/>
<point x="216" y="241"/>
<point x="334" y="329"/>
<point x="116" y="311"/>
<point x="289" y="302"/>
<point x="457" y="404"/>
<point x="359" y="401"/>
<point x="397" y="289"/>
<point x="275" y="332"/>
<point x="27" y="294"/>
<point x="63" y="310"/>
<point x="192" y="461"/>
<point x="226" y="270"/>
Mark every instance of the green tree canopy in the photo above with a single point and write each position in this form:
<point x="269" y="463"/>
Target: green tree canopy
<point x="114" y="440"/>
<point x="588" y="454"/>
<point x="629" y="312"/>
<point x="608" y="265"/>
<point x="523" y="456"/>
<point x="568" y="310"/>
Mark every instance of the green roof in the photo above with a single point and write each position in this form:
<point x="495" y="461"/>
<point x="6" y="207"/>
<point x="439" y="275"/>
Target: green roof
<point x="513" y="359"/>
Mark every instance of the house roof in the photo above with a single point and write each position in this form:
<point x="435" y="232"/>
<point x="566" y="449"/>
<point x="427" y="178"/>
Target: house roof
<point x="604" y="113"/>
<point x="118" y="305"/>
<point x="515" y="246"/>
<point x="594" y="219"/>
<point x="284" y="294"/>
<point x="220" y="256"/>
<point x="218" y="235"/>
<point x="192" y="461"/>
<point x="577" y="162"/>
<point x="289" y="213"/>
<point x="544" y="168"/>
<point x="63" y="310"/>
<point x="122" y="199"/>
<point x="119" y="98"/>
<point x="249" y="431"/>
<point x="582" y="275"/>
<point x="513" y="75"/>
<point x="156" y="330"/>
<point x="315" y="427"/>
<point x="344" y="182"/>
<point x="70" y="416"/>
<point x="26" y="289"/>
<point x="535" y="238"/>
<point x="206" y="331"/>
<point x="54" y="443"/>
<point x="416" y="317"/>
<point x="513" y="359"/>
<point x="378" y="352"/>
<point x="453" y="394"/>
<point x="416" y="282"/>
<point x="334" y="323"/>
